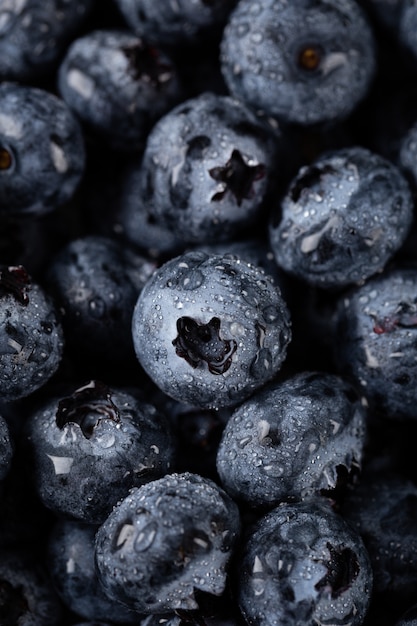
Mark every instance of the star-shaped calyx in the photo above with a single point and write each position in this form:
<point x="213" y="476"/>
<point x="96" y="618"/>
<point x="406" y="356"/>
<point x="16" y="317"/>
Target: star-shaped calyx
<point x="237" y="177"/>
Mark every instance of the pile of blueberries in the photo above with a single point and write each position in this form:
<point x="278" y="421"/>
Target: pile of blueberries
<point x="208" y="306"/>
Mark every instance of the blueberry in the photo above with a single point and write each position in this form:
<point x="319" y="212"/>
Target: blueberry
<point x="70" y="557"/>
<point x="27" y="597"/>
<point x="409" y="618"/>
<point x="375" y="329"/>
<point x="175" y="23"/>
<point x="42" y="157"/>
<point x="125" y="439"/>
<point x="408" y="27"/>
<point x="31" y="337"/>
<point x="96" y="281"/>
<point x="304" y="61"/>
<point x="210" y="330"/>
<point x="383" y="510"/>
<point x="293" y="440"/>
<point x="207" y="169"/>
<point x="303" y="564"/>
<point x="169" y="538"/>
<point x="342" y="219"/>
<point x="407" y="156"/>
<point x="35" y="33"/>
<point x="118" y="86"/>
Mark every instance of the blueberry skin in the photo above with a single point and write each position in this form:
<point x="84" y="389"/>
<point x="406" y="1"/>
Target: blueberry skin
<point x="118" y="86"/>
<point x="207" y="169"/>
<point x="27" y="596"/>
<point x="375" y="329"/>
<point x="174" y="24"/>
<point x="383" y="510"/>
<point x="42" y="156"/>
<point x="31" y="336"/>
<point x="96" y="281"/>
<point x="342" y="219"/>
<point x="303" y="564"/>
<point x="303" y="62"/>
<point x="293" y="440"/>
<point x="70" y="558"/>
<point x="409" y="618"/>
<point x="168" y="538"/>
<point x="6" y="448"/>
<point x="209" y="330"/>
<point x="35" y="33"/>
<point x="408" y="27"/>
<point x="407" y="156"/>
<point x="126" y="440"/>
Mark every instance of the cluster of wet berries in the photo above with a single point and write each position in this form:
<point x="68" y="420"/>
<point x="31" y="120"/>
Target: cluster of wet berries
<point x="208" y="305"/>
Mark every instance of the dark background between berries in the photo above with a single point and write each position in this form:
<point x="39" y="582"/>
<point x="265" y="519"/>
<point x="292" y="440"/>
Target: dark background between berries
<point x="104" y="206"/>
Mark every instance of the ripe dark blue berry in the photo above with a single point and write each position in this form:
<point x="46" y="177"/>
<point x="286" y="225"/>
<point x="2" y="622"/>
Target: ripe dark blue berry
<point x="31" y="336"/>
<point x="168" y="539"/>
<point x="209" y="329"/>
<point x="118" y="86"/>
<point x="293" y="440"/>
<point x="301" y="61"/>
<point x="42" y="156"/>
<point x="342" y="219"/>
<point x="125" y="439"/>
<point x="303" y="564"/>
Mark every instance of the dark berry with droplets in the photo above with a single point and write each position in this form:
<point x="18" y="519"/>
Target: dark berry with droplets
<point x="376" y="327"/>
<point x="125" y="439"/>
<point x="207" y="169"/>
<point x="6" y="448"/>
<point x="96" y="281"/>
<point x="169" y="538"/>
<point x="302" y="61"/>
<point x="209" y="329"/>
<point x="342" y="219"/>
<point x="294" y="440"/>
<point x="70" y="559"/>
<point x="31" y="336"/>
<point x="42" y="156"/>
<point x="118" y="85"/>
<point x="303" y="564"/>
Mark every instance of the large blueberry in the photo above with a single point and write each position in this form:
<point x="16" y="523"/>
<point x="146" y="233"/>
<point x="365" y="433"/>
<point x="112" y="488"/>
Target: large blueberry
<point x="210" y="329"/>
<point x="304" y="61"/>
<point x="168" y="539"/>
<point x="126" y="440"/>
<point x="42" y="156"/>
<point x="303" y="564"/>
<point x="342" y="219"/>
<point x="293" y="440"/>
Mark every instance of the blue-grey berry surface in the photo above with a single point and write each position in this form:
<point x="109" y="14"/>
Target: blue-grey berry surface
<point x="165" y="541"/>
<point x="302" y="61"/>
<point x="175" y="23"/>
<point x="408" y="27"/>
<point x="293" y="440"/>
<point x="209" y="330"/>
<point x="303" y="564"/>
<point x="407" y="157"/>
<point x="118" y="86"/>
<point x="31" y="335"/>
<point x="207" y="169"/>
<point x="42" y="154"/>
<point x="70" y="552"/>
<point x="376" y="329"/>
<point x="90" y="447"/>
<point x="6" y="448"/>
<point x="342" y="219"/>
<point x="35" y="33"/>
<point x="409" y="618"/>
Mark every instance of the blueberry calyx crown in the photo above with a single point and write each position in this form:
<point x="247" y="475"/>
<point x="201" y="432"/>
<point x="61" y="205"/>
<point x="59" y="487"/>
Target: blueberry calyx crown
<point x="237" y="176"/>
<point x="202" y="342"/>
<point x="145" y="64"/>
<point x="309" y="57"/>
<point x="15" y="280"/>
<point x="13" y="604"/>
<point x="86" y="407"/>
<point x="342" y="569"/>
<point x="405" y="316"/>
<point x="309" y="179"/>
<point x="6" y="159"/>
